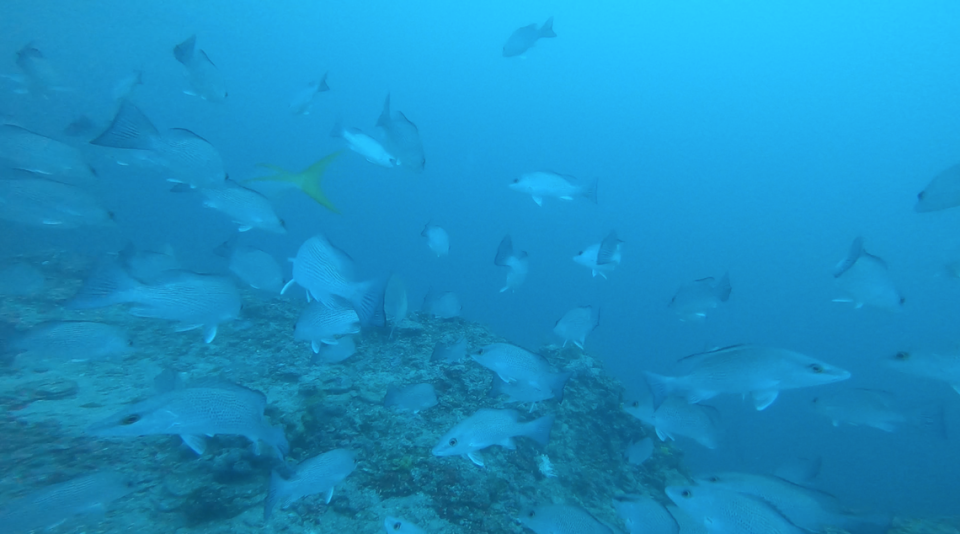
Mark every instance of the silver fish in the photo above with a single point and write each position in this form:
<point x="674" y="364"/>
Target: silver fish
<point x="540" y="185"/>
<point x="437" y="239"/>
<point x="866" y="279"/>
<point x="692" y="301"/>
<point x="39" y="154"/>
<point x="402" y="138"/>
<point x="326" y="273"/>
<point x="449" y="352"/>
<point x="254" y="267"/>
<point x="21" y="279"/>
<point x="205" y="79"/>
<point x="78" y="340"/>
<point x="247" y="208"/>
<point x="730" y="512"/>
<point x="514" y="364"/>
<point x="442" y="305"/>
<point x="412" y="398"/>
<point x="876" y="409"/>
<point x="396" y="525"/>
<point x="345" y="347"/>
<point x="46" y="507"/>
<point x="643" y="515"/>
<point x="319" y="323"/>
<point x="364" y="145"/>
<point x="676" y="417"/>
<point x="561" y="519"/>
<point x="740" y="369"/>
<point x="943" y="192"/>
<point x="639" y="451"/>
<point x="303" y="101"/>
<point x="319" y="474"/>
<point x="489" y="427"/>
<point x="49" y="204"/>
<point x="193" y="300"/>
<point x="603" y="257"/>
<point x="576" y="325"/>
<point x="185" y="156"/>
<point x="522" y="39"/>
<point x="517" y="262"/>
<point x="934" y="365"/>
<point x="204" y="408"/>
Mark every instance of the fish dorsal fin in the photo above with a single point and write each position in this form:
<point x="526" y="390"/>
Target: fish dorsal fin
<point x="184" y="51"/>
<point x="856" y="250"/>
<point x="608" y="248"/>
<point x="694" y="359"/>
<point x="130" y="128"/>
<point x="504" y="251"/>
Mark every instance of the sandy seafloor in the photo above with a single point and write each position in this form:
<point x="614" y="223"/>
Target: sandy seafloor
<point x="45" y="407"/>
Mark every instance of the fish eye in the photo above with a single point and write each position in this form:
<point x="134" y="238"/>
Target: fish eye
<point x="453" y="442"/>
<point x="902" y="355"/>
<point x="531" y="513"/>
<point x="515" y="180"/>
<point x="636" y="404"/>
<point x="816" y="368"/>
<point x="580" y="253"/>
<point x="130" y="419"/>
<point x="714" y="479"/>
<point x="397" y="525"/>
<point x="480" y="351"/>
<point x="686" y="494"/>
<point x="920" y="195"/>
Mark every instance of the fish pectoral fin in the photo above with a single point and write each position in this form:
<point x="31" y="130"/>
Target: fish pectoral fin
<point x="286" y="286"/>
<point x="506" y="379"/>
<point x="209" y="333"/>
<point x="475" y="458"/>
<point x="764" y="398"/>
<point x="663" y="435"/>
<point x="197" y="443"/>
<point x="566" y="198"/>
<point x="594" y="273"/>
<point x="244" y="228"/>
<point x="508" y="444"/>
<point x="579" y="344"/>
<point x="538" y="200"/>
<point x="330" y="495"/>
<point x="186" y="327"/>
<point x="315" y="346"/>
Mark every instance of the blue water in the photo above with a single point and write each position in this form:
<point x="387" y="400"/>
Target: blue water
<point x="755" y="138"/>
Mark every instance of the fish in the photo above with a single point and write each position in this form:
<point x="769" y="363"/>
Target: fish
<point x="676" y="417"/>
<point x="449" y="352"/>
<point x="50" y="204"/>
<point x="412" y="398"/>
<point x="148" y="265"/>
<point x="692" y="301"/>
<point x="519" y="392"/>
<point x="877" y="409"/>
<point x="40" y="77"/>
<point x="488" y="427"/>
<point x="72" y="340"/>
<point x="741" y="369"/>
<point x="437" y="239"/>
<point x="576" y="325"/>
<point x="943" y="192"/>
<point x="442" y="305"/>
<point x="204" y="408"/>
<point x="193" y="300"/>
<point x="397" y="525"/>
<point x="320" y="323"/>
<point x="21" y="280"/>
<point x="546" y="184"/>
<point x="639" y="451"/>
<point x="253" y="266"/>
<point x="204" y="77"/>
<point x="395" y="305"/>
<point x="39" y="154"/>
<point x="515" y="364"/>
<point x="372" y="150"/>
<point x="44" y="508"/>
<point x="643" y="515"/>
<point x="730" y="512"/>
<point x="303" y="100"/>
<point x="402" y="138"/>
<point x="319" y="474"/>
<point x="517" y="262"/>
<point x="125" y="86"/>
<point x="522" y="39"/>
<point x="185" y="156"/>
<point x="247" y="208"/>
<point x="808" y="509"/>
<point x="309" y="180"/>
<point x="942" y="366"/>
<point x="326" y="272"/>
<point x="603" y="257"/>
<point x="866" y="280"/>
<point x="345" y="347"/>
<point x="561" y="519"/>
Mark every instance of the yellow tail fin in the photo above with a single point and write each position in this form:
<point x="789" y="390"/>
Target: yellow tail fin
<point x="308" y="180"/>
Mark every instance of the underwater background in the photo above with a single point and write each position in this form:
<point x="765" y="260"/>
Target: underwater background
<point x="756" y="139"/>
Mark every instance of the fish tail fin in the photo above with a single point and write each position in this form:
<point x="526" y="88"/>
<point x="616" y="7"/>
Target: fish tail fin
<point x="274" y="436"/>
<point x="724" y="288"/>
<point x="660" y="387"/>
<point x="322" y="86"/>
<point x="558" y="384"/>
<point x="856" y="250"/>
<point x="108" y="285"/>
<point x="539" y="430"/>
<point x="275" y="494"/>
<point x="504" y="252"/>
<point x="309" y="181"/>
<point x="130" y="128"/>
<point x="546" y="30"/>
<point x="608" y="248"/>
<point x="184" y="51"/>
<point x="368" y="303"/>
<point x="590" y="191"/>
<point x="391" y="397"/>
